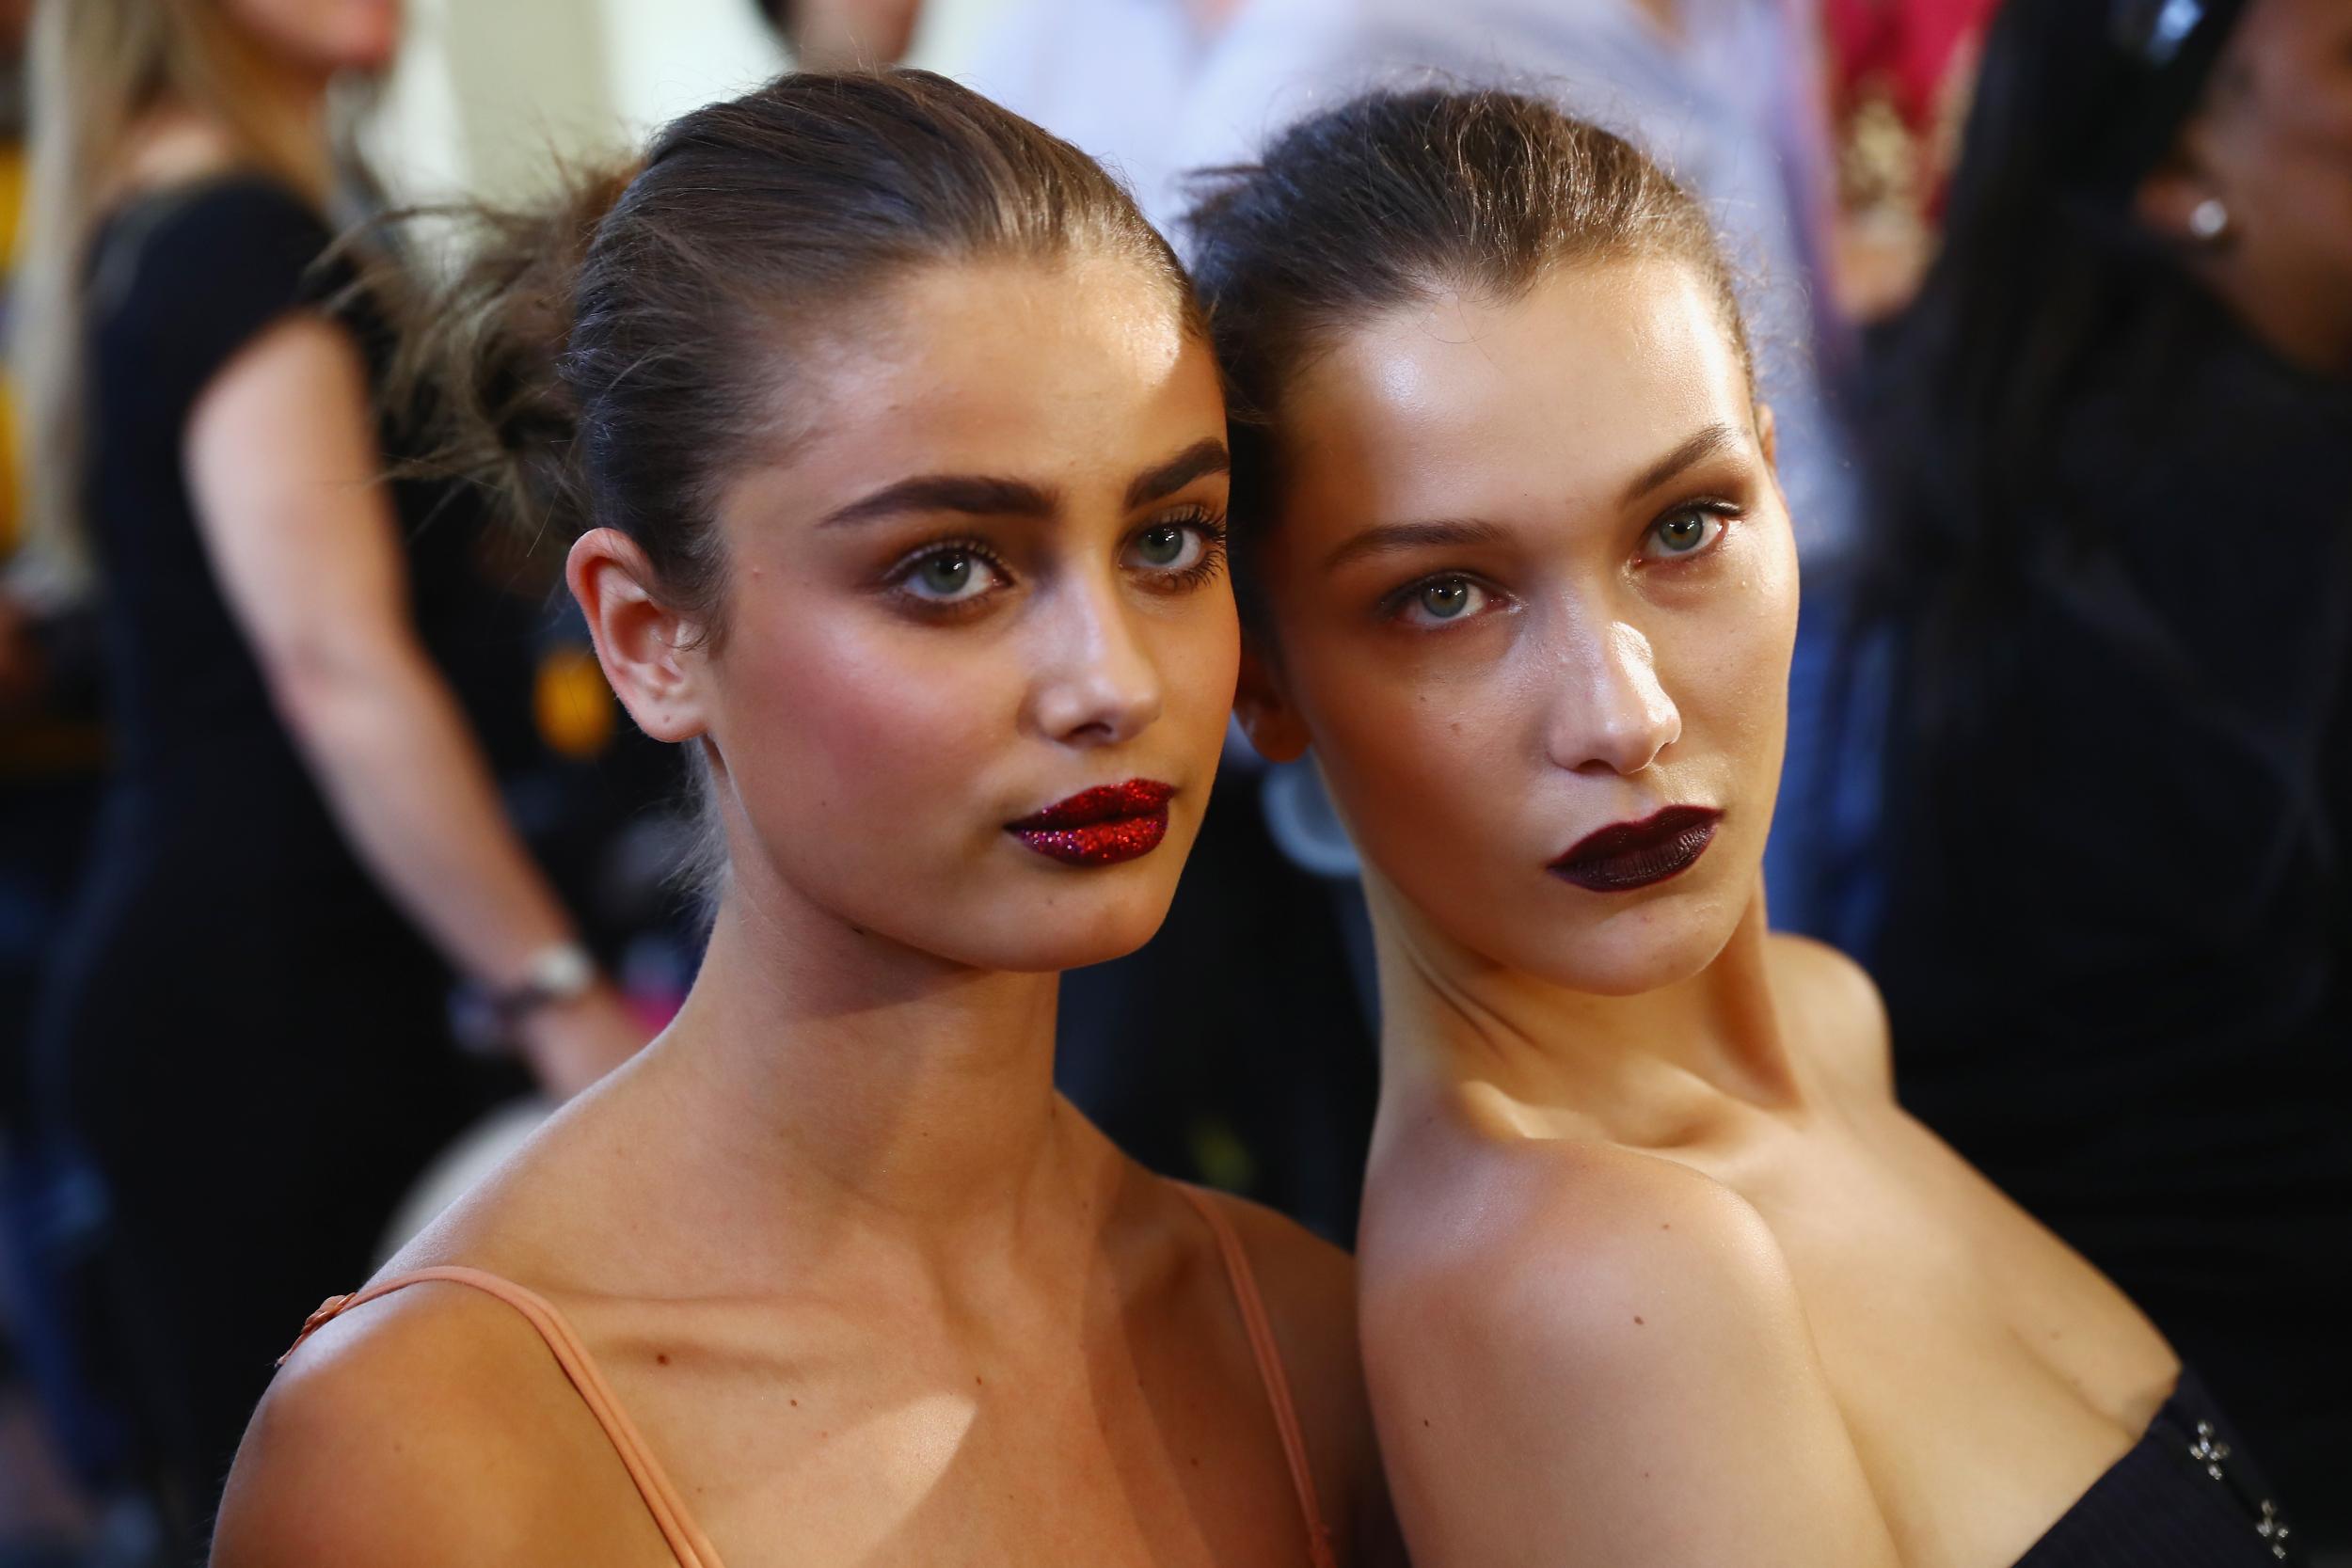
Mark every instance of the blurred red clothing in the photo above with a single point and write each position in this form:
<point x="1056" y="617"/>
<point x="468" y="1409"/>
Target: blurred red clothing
<point x="1905" y="50"/>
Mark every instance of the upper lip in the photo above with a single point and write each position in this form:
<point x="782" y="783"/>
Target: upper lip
<point x="1622" y="838"/>
<point x="1104" y="803"/>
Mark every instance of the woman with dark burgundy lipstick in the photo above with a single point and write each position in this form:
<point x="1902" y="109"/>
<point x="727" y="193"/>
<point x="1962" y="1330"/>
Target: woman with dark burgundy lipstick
<point x="1653" y="1268"/>
<point x="895" y="453"/>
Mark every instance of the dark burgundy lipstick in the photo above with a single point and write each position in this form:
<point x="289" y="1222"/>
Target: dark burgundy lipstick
<point x="1099" y="827"/>
<point x="1626" y="855"/>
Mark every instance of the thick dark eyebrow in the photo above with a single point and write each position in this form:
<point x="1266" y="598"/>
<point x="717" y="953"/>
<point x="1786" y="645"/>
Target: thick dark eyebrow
<point x="975" y="494"/>
<point x="1203" y="458"/>
<point x="1698" y="449"/>
<point x="1388" y="537"/>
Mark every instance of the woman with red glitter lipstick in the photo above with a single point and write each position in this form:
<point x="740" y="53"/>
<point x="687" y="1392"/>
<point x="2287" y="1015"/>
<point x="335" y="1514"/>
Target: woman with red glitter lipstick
<point x="1653" y="1267"/>
<point x="896" y="454"/>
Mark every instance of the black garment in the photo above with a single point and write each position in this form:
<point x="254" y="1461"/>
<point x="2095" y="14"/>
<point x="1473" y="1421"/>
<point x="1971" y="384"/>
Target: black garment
<point x="2186" y="1496"/>
<point x="242" y="1034"/>
<point x="2118" y="949"/>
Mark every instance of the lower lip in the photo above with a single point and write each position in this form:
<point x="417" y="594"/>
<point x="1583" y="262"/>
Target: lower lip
<point x="1107" y="843"/>
<point x="1646" y="866"/>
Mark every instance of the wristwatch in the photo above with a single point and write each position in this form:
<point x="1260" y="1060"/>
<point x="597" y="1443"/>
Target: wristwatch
<point x="562" y="971"/>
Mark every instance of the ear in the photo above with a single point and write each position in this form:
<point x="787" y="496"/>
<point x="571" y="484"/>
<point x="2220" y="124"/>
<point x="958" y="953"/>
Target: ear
<point x="2168" y="197"/>
<point x="1767" y="436"/>
<point x="650" y="653"/>
<point x="1264" y="708"/>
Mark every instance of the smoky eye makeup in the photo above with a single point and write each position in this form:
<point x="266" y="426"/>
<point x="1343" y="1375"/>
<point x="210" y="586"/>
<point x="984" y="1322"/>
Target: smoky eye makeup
<point x="1179" y="551"/>
<point x="947" y="577"/>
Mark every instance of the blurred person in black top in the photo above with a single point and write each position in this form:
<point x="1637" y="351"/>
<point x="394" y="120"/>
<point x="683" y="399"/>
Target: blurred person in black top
<point x="245" y="1032"/>
<point x="2114" y="554"/>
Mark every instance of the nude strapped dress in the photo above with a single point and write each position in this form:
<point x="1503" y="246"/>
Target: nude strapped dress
<point x="687" y="1541"/>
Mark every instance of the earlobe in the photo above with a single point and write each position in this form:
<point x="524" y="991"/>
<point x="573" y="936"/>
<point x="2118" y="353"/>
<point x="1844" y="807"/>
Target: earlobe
<point x="644" y="645"/>
<point x="1265" y="709"/>
<point x="2177" y="199"/>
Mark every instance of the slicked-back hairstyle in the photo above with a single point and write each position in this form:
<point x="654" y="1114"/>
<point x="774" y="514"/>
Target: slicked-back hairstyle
<point x="1399" y="198"/>
<point x="615" y="358"/>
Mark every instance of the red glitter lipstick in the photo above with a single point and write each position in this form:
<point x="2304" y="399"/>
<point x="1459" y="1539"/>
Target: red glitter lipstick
<point x="1099" y="827"/>
<point x="1627" y="855"/>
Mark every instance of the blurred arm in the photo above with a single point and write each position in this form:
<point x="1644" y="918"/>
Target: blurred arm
<point x="283" y="467"/>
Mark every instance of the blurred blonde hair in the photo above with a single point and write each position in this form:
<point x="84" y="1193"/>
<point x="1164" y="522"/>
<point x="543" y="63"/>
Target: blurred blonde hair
<point x="98" y="67"/>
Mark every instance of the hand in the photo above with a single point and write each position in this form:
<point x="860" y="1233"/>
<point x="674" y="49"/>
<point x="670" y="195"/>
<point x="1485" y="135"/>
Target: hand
<point x="571" y="1044"/>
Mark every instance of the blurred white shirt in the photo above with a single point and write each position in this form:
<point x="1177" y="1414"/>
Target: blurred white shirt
<point x="1733" y="107"/>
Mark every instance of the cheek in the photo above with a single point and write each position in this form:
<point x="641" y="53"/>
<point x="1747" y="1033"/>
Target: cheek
<point x="1413" y="747"/>
<point x="859" y="732"/>
<point x="1730" y="672"/>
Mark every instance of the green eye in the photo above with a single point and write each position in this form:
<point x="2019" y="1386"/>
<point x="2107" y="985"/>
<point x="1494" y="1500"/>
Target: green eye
<point x="945" y="575"/>
<point x="1682" y="534"/>
<point x="1161" y="547"/>
<point x="1446" y="598"/>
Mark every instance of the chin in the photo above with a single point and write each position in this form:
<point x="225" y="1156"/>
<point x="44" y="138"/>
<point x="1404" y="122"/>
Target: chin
<point x="1626" y="952"/>
<point x="1036" y="935"/>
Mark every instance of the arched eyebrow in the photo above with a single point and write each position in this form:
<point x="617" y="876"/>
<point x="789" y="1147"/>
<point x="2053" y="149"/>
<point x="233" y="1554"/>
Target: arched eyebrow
<point x="983" y="496"/>
<point x="1706" y="443"/>
<point x="1387" y="538"/>
<point x="1197" y="461"/>
<point x="975" y="494"/>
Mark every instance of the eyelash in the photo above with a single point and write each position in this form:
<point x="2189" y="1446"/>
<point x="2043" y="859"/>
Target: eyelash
<point x="1208" y="524"/>
<point x="1212" y="530"/>
<point x="1723" y="514"/>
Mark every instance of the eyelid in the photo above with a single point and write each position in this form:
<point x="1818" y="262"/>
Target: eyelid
<point x="896" y="579"/>
<point x="1211" y="527"/>
<point x="1724" y="513"/>
<point x="1394" y="604"/>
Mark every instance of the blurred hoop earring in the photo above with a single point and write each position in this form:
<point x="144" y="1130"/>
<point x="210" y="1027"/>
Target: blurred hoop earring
<point x="2209" y="220"/>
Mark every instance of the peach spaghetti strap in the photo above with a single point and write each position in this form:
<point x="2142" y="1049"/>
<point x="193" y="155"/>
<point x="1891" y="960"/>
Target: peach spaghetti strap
<point x="1269" y="1357"/>
<point x="687" y="1542"/>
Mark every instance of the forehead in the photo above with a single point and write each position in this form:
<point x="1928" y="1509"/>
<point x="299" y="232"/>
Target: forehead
<point x="1017" y="367"/>
<point x="1461" y="404"/>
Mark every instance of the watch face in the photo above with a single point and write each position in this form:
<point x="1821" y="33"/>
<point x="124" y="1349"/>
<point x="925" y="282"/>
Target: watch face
<point x="562" y="971"/>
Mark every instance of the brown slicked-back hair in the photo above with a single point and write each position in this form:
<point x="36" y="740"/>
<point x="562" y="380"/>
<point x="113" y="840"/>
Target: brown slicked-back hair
<point x="613" y="359"/>
<point x="1397" y="198"/>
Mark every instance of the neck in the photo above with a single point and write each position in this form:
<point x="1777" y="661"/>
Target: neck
<point x="279" y="119"/>
<point x="1452" y="1016"/>
<point x="836" y="1066"/>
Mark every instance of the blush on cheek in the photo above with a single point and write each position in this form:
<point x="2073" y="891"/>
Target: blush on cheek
<point x="859" y="754"/>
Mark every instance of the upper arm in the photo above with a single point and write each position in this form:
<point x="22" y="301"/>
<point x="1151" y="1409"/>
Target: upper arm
<point x="419" y="1428"/>
<point x="286" y="477"/>
<point x="1614" y="1368"/>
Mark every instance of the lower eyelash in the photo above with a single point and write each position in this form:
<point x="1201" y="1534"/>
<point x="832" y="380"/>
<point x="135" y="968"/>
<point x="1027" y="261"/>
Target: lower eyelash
<point x="1211" y="564"/>
<point x="1213" y="555"/>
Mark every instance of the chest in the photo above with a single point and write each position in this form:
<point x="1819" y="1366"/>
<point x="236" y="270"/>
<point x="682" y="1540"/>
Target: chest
<point x="846" y="1447"/>
<point x="1987" y="1374"/>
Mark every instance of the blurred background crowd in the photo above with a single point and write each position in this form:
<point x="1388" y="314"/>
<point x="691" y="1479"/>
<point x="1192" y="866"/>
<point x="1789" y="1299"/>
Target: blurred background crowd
<point x="2056" y="325"/>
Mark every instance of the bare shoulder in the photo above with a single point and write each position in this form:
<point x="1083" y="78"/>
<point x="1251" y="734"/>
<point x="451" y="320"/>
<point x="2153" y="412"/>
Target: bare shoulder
<point x="1581" y="1254"/>
<point x="429" y="1425"/>
<point x="1309" y="1287"/>
<point x="1575" y="1342"/>
<point x="1836" y="1005"/>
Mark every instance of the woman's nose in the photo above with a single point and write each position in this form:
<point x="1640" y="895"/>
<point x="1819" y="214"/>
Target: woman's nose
<point x="1611" y="714"/>
<point x="1098" y="683"/>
